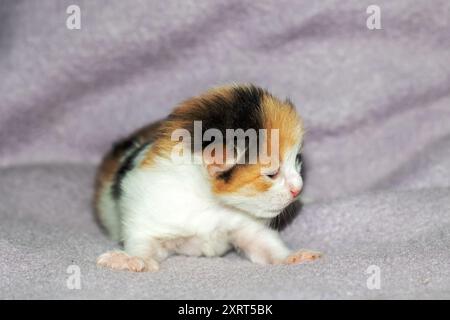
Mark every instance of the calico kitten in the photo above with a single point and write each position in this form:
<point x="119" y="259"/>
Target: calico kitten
<point x="158" y="206"/>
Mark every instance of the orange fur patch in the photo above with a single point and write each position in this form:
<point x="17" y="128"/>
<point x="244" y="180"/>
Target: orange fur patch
<point x="282" y="116"/>
<point x="243" y="175"/>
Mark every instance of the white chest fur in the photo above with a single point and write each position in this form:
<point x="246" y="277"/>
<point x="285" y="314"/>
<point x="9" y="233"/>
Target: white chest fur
<point x="174" y="204"/>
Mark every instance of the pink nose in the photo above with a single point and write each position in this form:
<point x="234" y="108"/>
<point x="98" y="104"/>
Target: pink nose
<point x="295" y="192"/>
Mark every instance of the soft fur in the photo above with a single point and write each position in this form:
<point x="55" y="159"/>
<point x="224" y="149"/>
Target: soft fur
<point x="158" y="207"/>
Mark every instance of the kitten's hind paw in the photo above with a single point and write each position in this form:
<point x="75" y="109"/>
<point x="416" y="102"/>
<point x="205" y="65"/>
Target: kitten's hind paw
<point x="119" y="260"/>
<point x="302" y="256"/>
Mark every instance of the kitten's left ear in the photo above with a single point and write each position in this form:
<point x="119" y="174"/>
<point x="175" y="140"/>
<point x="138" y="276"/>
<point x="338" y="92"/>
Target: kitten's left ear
<point x="218" y="160"/>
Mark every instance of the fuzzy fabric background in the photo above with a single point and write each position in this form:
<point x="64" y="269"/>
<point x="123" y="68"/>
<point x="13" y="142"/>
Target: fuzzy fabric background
<point x="376" y="104"/>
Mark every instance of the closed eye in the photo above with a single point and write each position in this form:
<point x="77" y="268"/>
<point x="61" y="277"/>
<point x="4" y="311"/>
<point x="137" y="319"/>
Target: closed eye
<point x="299" y="159"/>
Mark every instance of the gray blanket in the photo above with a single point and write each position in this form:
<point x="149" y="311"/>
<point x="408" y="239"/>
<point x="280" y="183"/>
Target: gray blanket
<point x="376" y="104"/>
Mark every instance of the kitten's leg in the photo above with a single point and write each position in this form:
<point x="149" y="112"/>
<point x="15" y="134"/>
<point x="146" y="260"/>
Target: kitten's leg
<point x="263" y="245"/>
<point x="139" y="256"/>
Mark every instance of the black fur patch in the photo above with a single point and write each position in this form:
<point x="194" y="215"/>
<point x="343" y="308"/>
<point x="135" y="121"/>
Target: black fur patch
<point x="127" y="165"/>
<point x="123" y="146"/>
<point x="241" y="110"/>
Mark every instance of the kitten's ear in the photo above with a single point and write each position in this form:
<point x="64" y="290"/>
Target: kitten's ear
<point x="215" y="169"/>
<point x="218" y="160"/>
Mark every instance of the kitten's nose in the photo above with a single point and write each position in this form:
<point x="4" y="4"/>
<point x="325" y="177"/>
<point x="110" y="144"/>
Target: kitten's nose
<point x="295" y="192"/>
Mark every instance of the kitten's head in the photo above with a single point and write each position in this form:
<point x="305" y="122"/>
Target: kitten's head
<point x="262" y="176"/>
<point x="268" y="184"/>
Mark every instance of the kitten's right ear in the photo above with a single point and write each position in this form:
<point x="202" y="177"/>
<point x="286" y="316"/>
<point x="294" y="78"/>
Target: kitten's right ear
<point x="216" y="169"/>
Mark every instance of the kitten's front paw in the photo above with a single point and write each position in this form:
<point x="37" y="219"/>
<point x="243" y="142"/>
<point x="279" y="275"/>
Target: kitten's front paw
<point x="302" y="256"/>
<point x="119" y="260"/>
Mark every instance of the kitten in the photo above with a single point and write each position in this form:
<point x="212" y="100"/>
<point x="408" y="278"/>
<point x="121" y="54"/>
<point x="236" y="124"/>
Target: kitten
<point x="160" y="206"/>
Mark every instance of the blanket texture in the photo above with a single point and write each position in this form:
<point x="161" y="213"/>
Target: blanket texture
<point x="376" y="104"/>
